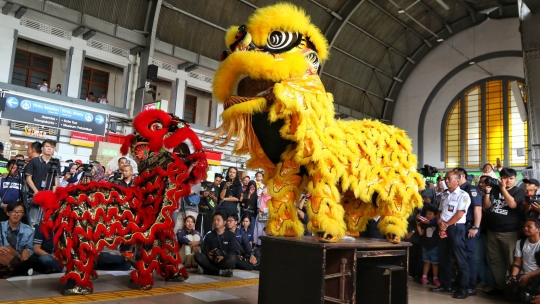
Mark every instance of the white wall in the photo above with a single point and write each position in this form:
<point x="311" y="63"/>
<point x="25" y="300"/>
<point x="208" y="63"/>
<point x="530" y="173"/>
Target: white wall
<point x="203" y="106"/>
<point x="490" y="36"/>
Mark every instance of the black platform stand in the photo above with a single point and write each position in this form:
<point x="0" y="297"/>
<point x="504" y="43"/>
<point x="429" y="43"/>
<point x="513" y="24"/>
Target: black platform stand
<point x="303" y="270"/>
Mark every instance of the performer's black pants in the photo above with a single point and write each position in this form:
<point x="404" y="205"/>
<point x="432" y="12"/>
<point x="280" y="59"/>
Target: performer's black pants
<point x="210" y="267"/>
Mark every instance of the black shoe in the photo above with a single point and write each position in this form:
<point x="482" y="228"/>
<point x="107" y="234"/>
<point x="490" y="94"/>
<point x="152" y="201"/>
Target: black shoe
<point x="461" y="294"/>
<point x="495" y="292"/>
<point x="471" y="292"/>
<point x="441" y="289"/>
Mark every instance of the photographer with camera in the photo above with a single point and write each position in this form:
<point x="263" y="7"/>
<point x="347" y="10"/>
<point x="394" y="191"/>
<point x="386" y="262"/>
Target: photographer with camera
<point x="41" y="174"/>
<point x="117" y="175"/>
<point x="245" y="258"/>
<point x="127" y="177"/>
<point x="218" y="255"/>
<point x="524" y="272"/>
<point x="503" y="205"/>
<point x="10" y="188"/>
<point x="532" y="201"/>
<point x="231" y="192"/>
<point x="69" y="176"/>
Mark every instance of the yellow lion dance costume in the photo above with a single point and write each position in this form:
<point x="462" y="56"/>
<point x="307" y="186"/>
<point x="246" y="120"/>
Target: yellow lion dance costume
<point x="276" y="106"/>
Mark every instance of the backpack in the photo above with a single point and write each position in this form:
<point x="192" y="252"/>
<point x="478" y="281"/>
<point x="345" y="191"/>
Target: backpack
<point x="193" y="199"/>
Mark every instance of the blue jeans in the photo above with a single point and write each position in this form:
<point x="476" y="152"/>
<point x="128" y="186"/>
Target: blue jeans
<point x="49" y="262"/>
<point x="483" y="266"/>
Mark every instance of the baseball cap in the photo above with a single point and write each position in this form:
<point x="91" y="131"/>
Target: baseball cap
<point x="532" y="181"/>
<point x="78" y="162"/>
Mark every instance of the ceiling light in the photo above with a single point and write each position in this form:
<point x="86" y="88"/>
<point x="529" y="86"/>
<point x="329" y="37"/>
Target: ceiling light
<point x="440" y="40"/>
<point x="401" y="11"/>
<point x="471" y="62"/>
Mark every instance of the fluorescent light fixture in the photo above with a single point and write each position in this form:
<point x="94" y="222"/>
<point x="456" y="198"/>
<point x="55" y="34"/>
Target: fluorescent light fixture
<point x="441" y="2"/>
<point x="401" y="11"/>
<point x="89" y="34"/>
<point x="471" y="62"/>
<point x="440" y="40"/>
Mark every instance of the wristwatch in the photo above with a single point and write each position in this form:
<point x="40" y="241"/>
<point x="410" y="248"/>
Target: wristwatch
<point x="475" y="227"/>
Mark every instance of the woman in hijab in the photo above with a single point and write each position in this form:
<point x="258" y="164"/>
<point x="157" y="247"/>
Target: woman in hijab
<point x="69" y="176"/>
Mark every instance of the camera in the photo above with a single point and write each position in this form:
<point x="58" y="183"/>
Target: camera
<point x="428" y="171"/>
<point x="87" y="171"/>
<point x="20" y="163"/>
<point x="534" y="199"/>
<point x="55" y="162"/>
<point x="217" y="253"/>
<point x="117" y="175"/>
<point x="491" y="182"/>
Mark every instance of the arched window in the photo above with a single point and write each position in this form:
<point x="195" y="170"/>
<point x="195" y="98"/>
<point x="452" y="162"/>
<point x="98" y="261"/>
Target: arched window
<point x="483" y="124"/>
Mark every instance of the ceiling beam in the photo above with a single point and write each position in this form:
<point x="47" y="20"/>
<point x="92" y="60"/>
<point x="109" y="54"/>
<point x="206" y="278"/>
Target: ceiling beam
<point x="330" y="11"/>
<point x="400" y="22"/>
<point x="379" y="41"/>
<point x="437" y="16"/>
<point x="472" y="13"/>
<point x="336" y="25"/>
<point x="172" y="7"/>
<point x="249" y="4"/>
<point x="366" y="64"/>
<point x="354" y="86"/>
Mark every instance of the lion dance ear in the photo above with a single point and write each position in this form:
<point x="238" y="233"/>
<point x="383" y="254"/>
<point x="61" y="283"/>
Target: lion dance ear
<point x="129" y="140"/>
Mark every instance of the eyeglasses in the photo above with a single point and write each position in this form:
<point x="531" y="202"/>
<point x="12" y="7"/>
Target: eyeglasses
<point x="17" y="212"/>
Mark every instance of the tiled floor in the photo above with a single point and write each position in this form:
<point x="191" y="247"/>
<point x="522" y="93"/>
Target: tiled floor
<point x="46" y="289"/>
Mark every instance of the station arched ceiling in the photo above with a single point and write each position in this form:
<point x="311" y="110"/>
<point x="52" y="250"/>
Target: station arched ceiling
<point x="375" y="44"/>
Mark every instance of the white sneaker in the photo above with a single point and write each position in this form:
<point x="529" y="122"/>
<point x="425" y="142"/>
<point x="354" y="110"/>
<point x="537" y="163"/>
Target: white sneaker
<point x="201" y="270"/>
<point x="30" y="271"/>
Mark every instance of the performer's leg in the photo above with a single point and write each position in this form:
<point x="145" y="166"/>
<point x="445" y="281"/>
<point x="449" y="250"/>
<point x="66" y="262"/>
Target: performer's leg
<point x="325" y="213"/>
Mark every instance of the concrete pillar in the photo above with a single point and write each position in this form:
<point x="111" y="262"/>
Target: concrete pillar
<point x="219" y="111"/>
<point x="7" y="53"/>
<point x="214" y="114"/>
<point x="180" y="98"/>
<point x="530" y="40"/>
<point x="75" y="72"/>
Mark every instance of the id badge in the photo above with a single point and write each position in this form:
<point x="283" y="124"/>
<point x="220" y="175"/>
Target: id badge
<point x="429" y="232"/>
<point x="42" y="184"/>
<point x="451" y="208"/>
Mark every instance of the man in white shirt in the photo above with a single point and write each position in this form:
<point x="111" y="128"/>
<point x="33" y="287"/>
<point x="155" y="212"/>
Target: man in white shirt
<point x="44" y="86"/>
<point x="451" y="221"/>
<point x="525" y="254"/>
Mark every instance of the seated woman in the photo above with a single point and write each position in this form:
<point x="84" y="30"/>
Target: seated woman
<point x="18" y="236"/>
<point x="190" y="240"/>
<point x="246" y="228"/>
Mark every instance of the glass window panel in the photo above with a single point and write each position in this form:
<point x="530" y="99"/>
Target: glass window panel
<point x="84" y="90"/>
<point x="191" y="101"/>
<point x="100" y="77"/>
<point x="189" y="115"/>
<point x="86" y="74"/>
<point x="41" y="63"/>
<point x="22" y="58"/>
<point x="19" y="76"/>
<point x="36" y="78"/>
<point x="98" y="90"/>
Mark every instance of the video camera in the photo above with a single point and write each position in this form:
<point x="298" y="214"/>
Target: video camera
<point x="87" y="170"/>
<point x="491" y="182"/>
<point x="117" y="175"/>
<point x="55" y="162"/>
<point x="428" y="171"/>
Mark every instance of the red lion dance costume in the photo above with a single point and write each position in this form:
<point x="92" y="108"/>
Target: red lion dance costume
<point x="86" y="218"/>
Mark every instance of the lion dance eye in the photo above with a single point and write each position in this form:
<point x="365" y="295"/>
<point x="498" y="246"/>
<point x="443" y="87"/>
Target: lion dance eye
<point x="156" y="126"/>
<point x="281" y="41"/>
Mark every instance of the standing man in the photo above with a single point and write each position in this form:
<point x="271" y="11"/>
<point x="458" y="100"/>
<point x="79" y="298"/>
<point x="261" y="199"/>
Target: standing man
<point x="503" y="204"/>
<point x="472" y="226"/>
<point x="34" y="150"/>
<point x="451" y="221"/>
<point x="209" y="200"/>
<point x="39" y="176"/>
<point x="127" y="177"/>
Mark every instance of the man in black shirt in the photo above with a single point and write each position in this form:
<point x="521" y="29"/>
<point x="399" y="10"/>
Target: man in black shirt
<point x="127" y="176"/>
<point x="244" y="255"/>
<point x="39" y="176"/>
<point x="503" y="217"/>
<point x="209" y="198"/>
<point x="218" y="255"/>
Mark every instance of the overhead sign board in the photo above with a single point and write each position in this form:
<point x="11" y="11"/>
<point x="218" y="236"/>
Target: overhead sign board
<point x="52" y="115"/>
<point x="152" y="106"/>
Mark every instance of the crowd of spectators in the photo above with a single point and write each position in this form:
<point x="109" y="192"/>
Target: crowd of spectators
<point x="44" y="87"/>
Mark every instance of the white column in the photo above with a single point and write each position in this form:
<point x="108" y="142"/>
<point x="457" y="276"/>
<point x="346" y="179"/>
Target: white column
<point x="75" y="72"/>
<point x="220" y="110"/>
<point x="180" y="98"/>
<point x="8" y="37"/>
